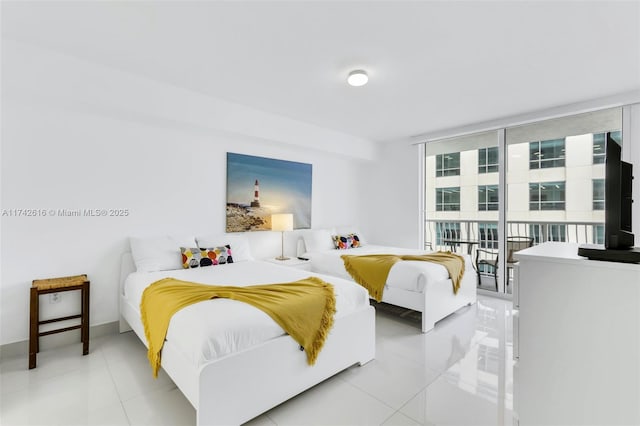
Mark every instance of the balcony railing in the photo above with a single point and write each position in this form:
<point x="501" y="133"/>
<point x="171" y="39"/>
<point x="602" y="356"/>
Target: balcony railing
<point x="485" y="233"/>
<point x="467" y="236"/>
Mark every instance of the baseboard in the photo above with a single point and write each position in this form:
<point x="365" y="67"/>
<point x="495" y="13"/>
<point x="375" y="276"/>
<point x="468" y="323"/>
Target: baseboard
<point x="12" y="350"/>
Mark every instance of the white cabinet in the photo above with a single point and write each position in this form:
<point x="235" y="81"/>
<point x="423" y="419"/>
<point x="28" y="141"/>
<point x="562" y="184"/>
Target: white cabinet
<point x="576" y="339"/>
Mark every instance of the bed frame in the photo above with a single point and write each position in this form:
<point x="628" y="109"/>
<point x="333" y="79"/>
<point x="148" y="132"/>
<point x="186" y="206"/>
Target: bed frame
<point x="238" y="387"/>
<point x="437" y="301"/>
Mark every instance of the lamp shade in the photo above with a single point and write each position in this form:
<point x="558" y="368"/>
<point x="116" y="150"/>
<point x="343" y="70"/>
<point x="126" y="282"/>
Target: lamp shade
<point x="282" y="222"/>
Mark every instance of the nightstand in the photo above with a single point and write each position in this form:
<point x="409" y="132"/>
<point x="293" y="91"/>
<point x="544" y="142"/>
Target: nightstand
<point x="292" y="262"/>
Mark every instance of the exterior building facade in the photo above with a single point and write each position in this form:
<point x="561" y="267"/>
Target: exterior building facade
<point x="555" y="191"/>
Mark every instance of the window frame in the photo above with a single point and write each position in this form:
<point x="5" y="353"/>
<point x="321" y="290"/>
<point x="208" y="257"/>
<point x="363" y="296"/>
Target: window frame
<point x="484" y="229"/>
<point x="541" y="203"/>
<point x="440" y="199"/>
<point x="487" y="205"/>
<point x="537" y="154"/>
<point x="444" y="168"/>
<point x="599" y="145"/>
<point x="597" y="202"/>
<point x="572" y="126"/>
<point x="484" y="165"/>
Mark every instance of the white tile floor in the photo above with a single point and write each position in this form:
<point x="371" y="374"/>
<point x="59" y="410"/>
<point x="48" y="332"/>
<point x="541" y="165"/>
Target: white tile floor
<point x="458" y="374"/>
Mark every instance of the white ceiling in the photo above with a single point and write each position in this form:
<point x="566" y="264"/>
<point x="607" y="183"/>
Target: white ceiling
<point x="432" y="64"/>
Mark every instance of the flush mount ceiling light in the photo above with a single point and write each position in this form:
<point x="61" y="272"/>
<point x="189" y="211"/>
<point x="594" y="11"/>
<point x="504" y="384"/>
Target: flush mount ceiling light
<point x="358" y="78"/>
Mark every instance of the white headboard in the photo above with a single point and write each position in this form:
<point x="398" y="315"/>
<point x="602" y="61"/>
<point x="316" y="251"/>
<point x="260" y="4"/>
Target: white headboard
<point x="127" y="266"/>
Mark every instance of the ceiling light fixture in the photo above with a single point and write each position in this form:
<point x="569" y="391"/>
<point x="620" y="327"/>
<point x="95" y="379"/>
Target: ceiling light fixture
<point x="358" y="78"/>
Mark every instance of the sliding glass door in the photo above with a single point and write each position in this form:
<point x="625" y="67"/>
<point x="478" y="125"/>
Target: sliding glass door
<point x="493" y="193"/>
<point x="462" y="199"/>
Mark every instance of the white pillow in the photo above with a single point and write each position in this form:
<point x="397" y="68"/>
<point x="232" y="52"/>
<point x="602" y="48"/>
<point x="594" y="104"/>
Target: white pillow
<point x="239" y="243"/>
<point x="318" y="239"/>
<point x="160" y="253"/>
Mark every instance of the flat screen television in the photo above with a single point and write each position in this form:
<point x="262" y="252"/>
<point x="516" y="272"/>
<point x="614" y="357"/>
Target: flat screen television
<point x="618" y="239"/>
<point x="617" y="198"/>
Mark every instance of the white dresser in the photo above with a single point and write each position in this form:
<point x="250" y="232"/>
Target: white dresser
<point x="576" y="339"/>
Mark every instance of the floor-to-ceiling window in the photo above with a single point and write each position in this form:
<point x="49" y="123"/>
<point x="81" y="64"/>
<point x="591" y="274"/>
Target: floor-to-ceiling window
<point x="555" y="178"/>
<point x="462" y="194"/>
<point x="553" y="175"/>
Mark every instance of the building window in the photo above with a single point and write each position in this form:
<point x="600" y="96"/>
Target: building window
<point x="598" y="194"/>
<point x="546" y="154"/>
<point x="488" y="235"/>
<point x="448" y="199"/>
<point x="488" y="160"/>
<point x="448" y="164"/>
<point x="548" y="232"/>
<point x="546" y="196"/>
<point x="598" y="148"/>
<point x="534" y="231"/>
<point x="599" y="145"/>
<point x="598" y="234"/>
<point x="557" y="232"/>
<point x="447" y="231"/>
<point x="488" y="197"/>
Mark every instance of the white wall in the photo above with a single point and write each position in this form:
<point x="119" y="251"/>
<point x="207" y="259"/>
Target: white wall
<point x="391" y="205"/>
<point x="77" y="135"/>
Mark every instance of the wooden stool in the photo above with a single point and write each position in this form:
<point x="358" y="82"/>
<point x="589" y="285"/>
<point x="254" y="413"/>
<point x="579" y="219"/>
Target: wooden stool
<point x="57" y="285"/>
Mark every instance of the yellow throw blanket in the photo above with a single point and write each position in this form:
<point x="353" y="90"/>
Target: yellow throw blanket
<point x="371" y="270"/>
<point x="304" y="309"/>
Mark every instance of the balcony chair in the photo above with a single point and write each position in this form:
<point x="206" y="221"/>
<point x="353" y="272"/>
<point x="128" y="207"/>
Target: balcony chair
<point x="489" y="258"/>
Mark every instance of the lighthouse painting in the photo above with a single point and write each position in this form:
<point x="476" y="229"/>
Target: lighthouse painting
<point x="256" y="195"/>
<point x="258" y="187"/>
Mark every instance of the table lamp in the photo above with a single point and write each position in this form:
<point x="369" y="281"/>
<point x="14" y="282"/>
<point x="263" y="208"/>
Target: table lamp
<point x="282" y="222"/>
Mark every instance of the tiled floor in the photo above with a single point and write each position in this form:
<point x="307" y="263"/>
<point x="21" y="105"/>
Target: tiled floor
<point x="458" y="374"/>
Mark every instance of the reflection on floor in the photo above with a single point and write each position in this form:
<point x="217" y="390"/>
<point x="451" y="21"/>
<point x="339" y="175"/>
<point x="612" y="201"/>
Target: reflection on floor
<point x="458" y="374"/>
<point x="488" y="283"/>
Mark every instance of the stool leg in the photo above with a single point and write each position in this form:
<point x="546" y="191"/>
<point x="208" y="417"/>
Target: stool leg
<point x="85" y="319"/>
<point x="34" y="318"/>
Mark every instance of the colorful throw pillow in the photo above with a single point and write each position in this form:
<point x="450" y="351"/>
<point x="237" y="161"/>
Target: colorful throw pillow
<point x="200" y="257"/>
<point x="344" y="242"/>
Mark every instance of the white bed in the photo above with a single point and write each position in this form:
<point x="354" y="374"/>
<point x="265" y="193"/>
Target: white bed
<point x="225" y="378"/>
<point x="422" y="286"/>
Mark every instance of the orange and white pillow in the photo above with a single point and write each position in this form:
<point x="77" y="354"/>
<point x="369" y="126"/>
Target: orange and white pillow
<point x="201" y="257"/>
<point x="345" y="242"/>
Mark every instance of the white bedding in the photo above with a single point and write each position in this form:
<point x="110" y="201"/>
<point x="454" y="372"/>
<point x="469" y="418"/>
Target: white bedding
<point x="406" y="275"/>
<point x="216" y="328"/>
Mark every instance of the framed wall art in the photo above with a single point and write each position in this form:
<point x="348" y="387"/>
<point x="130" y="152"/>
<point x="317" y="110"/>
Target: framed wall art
<point x="258" y="187"/>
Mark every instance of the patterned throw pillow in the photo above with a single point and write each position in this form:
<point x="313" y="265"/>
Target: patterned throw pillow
<point x="199" y="257"/>
<point x="344" y="242"/>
